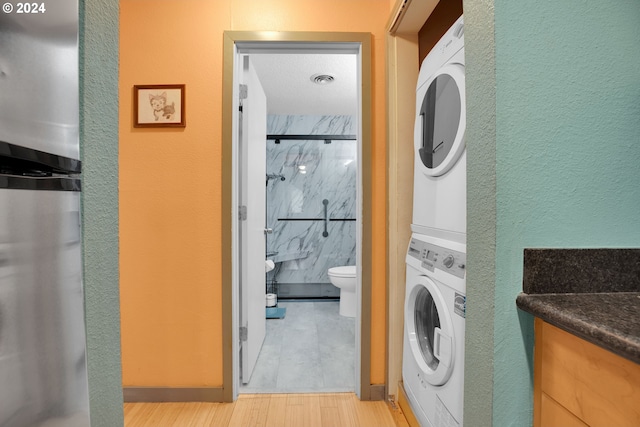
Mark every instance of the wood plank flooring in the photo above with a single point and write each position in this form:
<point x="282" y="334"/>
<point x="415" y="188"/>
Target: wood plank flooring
<point x="268" y="410"/>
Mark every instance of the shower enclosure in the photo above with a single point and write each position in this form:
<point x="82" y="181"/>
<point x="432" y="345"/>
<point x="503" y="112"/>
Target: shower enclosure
<point x="311" y="202"/>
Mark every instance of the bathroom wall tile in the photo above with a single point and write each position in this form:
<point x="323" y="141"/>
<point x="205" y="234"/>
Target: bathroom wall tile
<point x="314" y="125"/>
<point x="331" y="174"/>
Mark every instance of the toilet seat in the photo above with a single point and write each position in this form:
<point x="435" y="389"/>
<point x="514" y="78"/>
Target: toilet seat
<point x="343" y="271"/>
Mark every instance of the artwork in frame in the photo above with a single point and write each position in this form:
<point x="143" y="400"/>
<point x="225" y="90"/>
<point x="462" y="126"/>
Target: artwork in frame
<point x="158" y="106"/>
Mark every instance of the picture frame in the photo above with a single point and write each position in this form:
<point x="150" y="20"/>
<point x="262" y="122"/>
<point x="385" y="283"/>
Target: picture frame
<point x="159" y="106"/>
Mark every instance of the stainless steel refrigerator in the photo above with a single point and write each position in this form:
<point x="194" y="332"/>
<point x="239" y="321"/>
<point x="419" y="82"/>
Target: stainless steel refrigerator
<point x="43" y="370"/>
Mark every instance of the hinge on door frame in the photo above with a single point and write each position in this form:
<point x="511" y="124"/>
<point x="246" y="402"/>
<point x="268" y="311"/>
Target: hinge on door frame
<point x="244" y="91"/>
<point x="243" y="94"/>
<point x="243" y="333"/>
<point x="242" y="213"/>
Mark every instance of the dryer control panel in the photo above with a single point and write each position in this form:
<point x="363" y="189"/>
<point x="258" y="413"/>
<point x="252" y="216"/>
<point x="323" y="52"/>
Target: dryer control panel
<point x="433" y="256"/>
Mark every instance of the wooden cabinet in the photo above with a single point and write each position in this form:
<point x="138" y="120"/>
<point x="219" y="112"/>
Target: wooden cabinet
<point x="579" y="384"/>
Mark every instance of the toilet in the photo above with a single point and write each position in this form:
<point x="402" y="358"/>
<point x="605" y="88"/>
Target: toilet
<point x="345" y="278"/>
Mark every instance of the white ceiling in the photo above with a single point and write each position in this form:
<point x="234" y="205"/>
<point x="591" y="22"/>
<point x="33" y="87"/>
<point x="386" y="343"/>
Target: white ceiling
<point x="286" y="80"/>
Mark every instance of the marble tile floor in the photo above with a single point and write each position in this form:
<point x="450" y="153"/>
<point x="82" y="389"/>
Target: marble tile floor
<point x="311" y="350"/>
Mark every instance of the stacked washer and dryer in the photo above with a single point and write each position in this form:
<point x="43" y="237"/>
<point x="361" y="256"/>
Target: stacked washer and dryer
<point x="433" y="359"/>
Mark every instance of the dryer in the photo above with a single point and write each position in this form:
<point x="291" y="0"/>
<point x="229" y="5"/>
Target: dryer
<point x="435" y="304"/>
<point x="440" y="182"/>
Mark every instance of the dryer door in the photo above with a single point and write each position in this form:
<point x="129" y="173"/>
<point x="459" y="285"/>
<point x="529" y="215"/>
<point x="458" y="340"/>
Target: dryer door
<point x="430" y="331"/>
<point x="440" y="120"/>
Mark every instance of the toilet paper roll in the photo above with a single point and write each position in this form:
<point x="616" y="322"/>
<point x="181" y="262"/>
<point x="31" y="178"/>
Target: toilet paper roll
<point x="269" y="265"/>
<point x="272" y="300"/>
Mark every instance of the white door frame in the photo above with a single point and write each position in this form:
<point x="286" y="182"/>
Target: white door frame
<point x="359" y="43"/>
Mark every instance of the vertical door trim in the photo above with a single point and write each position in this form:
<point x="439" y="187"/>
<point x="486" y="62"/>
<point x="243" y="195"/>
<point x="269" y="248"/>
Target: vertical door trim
<point x="229" y="209"/>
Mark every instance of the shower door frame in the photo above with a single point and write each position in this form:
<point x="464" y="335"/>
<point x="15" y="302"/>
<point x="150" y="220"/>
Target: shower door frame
<point x="265" y="41"/>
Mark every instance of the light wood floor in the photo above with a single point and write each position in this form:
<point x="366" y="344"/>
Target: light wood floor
<point x="266" y="410"/>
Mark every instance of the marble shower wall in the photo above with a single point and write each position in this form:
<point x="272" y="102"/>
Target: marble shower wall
<point x="313" y="171"/>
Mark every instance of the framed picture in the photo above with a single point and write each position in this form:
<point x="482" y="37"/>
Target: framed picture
<point x="158" y="106"/>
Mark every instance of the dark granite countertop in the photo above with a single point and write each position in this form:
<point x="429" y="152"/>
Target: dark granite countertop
<point x="591" y="293"/>
<point x="609" y="320"/>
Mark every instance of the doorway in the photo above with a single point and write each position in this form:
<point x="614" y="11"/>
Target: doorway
<point x="239" y="45"/>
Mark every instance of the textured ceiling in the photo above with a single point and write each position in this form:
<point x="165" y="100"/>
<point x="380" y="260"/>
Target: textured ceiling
<point x="286" y="80"/>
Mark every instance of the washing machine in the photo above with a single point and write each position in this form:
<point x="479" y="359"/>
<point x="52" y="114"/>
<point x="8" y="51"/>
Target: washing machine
<point x="440" y="182"/>
<point x="433" y="357"/>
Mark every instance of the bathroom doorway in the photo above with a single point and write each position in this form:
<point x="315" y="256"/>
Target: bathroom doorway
<point x="297" y="243"/>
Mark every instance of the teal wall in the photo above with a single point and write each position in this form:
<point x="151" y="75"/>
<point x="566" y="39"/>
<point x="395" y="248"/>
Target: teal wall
<point x="481" y="209"/>
<point x="567" y="156"/>
<point x="99" y="150"/>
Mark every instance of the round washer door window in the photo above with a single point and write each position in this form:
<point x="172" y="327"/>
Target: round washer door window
<point x="430" y="331"/>
<point x="441" y="120"/>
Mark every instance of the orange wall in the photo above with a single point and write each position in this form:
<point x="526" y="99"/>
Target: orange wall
<point x="170" y="192"/>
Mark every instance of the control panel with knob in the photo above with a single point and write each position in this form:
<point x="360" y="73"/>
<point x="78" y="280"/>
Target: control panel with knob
<point x="448" y="261"/>
<point x="433" y="256"/>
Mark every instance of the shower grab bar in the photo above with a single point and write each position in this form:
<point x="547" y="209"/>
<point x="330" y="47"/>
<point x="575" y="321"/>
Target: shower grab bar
<point x="325" y="138"/>
<point x="315" y="219"/>
<point x="326" y="218"/>
<point x="325" y="202"/>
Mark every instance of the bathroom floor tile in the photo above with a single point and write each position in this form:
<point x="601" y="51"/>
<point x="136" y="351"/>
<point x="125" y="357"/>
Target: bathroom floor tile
<point x="300" y="369"/>
<point x="265" y="373"/>
<point x="311" y="350"/>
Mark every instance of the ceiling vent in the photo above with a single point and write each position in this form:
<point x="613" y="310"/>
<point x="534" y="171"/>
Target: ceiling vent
<point x="322" y="79"/>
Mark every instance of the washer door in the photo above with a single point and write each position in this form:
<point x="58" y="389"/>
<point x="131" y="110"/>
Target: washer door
<point x="430" y="331"/>
<point x="441" y="120"/>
